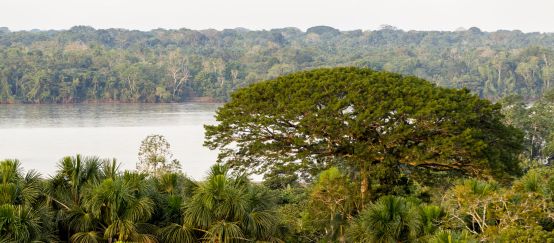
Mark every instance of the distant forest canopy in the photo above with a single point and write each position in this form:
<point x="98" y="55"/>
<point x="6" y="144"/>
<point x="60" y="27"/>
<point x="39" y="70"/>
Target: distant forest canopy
<point x="83" y="64"/>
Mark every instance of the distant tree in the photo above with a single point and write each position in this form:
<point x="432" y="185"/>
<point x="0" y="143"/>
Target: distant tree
<point x="474" y="30"/>
<point x="155" y="157"/>
<point x="321" y="30"/>
<point x="535" y="120"/>
<point x="178" y="72"/>
<point x="388" y="27"/>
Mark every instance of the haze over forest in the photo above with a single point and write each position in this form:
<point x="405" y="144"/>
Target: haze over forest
<point x="84" y="64"/>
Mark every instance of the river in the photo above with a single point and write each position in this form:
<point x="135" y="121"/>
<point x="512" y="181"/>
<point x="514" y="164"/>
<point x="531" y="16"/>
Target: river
<point x="40" y="135"/>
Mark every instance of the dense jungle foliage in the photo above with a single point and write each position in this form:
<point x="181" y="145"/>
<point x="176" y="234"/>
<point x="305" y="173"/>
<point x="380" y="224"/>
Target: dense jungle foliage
<point x="417" y="163"/>
<point x="116" y="65"/>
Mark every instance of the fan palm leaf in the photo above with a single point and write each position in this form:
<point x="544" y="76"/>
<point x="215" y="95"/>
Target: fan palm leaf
<point x="175" y="233"/>
<point x="86" y="237"/>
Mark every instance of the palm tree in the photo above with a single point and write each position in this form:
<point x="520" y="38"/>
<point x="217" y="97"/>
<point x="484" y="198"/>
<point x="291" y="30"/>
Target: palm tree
<point x="390" y="219"/>
<point x="96" y="203"/>
<point x="66" y="192"/>
<point x="24" y="215"/>
<point x="123" y="207"/>
<point x="430" y="216"/>
<point x="72" y="176"/>
<point x="225" y="208"/>
<point x="177" y="233"/>
<point x="86" y="237"/>
<point x="171" y="191"/>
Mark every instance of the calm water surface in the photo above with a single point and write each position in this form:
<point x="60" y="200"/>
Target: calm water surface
<point x="39" y="135"/>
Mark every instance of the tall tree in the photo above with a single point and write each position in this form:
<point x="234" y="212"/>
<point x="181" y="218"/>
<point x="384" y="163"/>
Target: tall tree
<point x="535" y="120"/>
<point x="374" y="123"/>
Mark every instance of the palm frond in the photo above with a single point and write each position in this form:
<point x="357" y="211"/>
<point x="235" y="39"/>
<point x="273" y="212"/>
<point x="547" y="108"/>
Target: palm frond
<point x="175" y="233"/>
<point x="86" y="237"/>
<point x="223" y="231"/>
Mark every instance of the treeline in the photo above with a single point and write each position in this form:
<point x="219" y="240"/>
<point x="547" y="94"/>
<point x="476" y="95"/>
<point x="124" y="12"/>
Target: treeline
<point x="115" y="65"/>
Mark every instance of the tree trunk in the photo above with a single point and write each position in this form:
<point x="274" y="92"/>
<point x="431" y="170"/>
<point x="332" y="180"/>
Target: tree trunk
<point x="364" y="185"/>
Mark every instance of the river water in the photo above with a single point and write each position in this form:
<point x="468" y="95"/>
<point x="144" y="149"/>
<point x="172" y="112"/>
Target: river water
<point x="40" y="135"/>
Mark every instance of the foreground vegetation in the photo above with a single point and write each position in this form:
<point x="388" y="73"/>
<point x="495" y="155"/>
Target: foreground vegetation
<point x="348" y="155"/>
<point x="89" y="201"/>
<point x="114" y="65"/>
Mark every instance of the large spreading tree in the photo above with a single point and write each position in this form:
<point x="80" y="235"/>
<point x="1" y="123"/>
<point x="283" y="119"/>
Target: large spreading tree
<point x="375" y="124"/>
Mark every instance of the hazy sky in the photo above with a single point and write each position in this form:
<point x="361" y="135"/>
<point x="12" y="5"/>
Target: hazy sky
<point x="525" y="15"/>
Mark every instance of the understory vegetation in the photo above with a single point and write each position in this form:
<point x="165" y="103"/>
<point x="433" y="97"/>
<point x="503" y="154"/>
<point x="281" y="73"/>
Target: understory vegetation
<point x="347" y="155"/>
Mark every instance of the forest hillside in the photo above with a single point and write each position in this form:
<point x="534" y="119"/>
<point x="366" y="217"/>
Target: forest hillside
<point x="84" y="64"/>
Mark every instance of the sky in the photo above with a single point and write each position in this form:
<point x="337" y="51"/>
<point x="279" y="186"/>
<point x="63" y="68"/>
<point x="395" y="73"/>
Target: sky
<point x="488" y="15"/>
